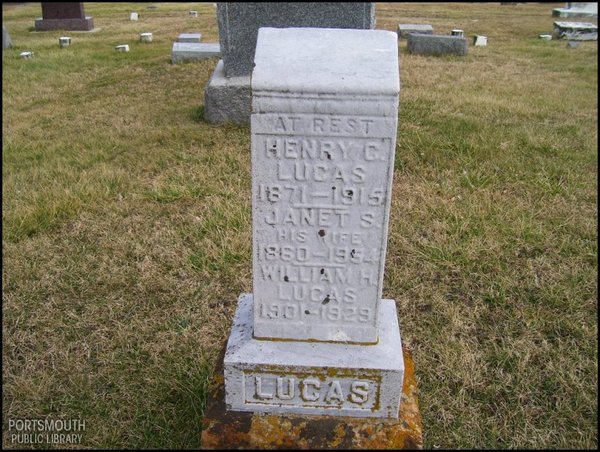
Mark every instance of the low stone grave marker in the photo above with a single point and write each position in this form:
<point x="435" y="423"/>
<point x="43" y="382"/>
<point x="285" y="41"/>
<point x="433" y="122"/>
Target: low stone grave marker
<point x="479" y="41"/>
<point x="546" y="37"/>
<point x="577" y="9"/>
<point x="134" y="16"/>
<point x="405" y="29"/>
<point x="146" y="37"/>
<point x="576" y="31"/>
<point x="122" y="48"/>
<point x="64" y="41"/>
<point x="26" y="54"/>
<point x="457" y="32"/>
<point x="194" y="51"/>
<point x="437" y="44"/>
<point x="189" y="37"/>
<point x="193" y="13"/>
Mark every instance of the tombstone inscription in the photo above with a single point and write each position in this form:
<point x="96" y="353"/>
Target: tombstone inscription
<point x="315" y="337"/>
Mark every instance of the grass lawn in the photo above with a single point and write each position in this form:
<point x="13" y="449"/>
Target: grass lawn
<point x="126" y="235"/>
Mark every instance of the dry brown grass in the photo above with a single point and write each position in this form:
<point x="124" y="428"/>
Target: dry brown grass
<point x="126" y="236"/>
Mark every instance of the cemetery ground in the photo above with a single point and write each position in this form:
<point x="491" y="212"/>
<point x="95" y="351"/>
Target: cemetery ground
<point x="126" y="234"/>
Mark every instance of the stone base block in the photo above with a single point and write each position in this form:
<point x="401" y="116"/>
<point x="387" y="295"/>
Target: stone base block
<point x="227" y="99"/>
<point x="314" y="378"/>
<point x="405" y="29"/>
<point x="189" y="37"/>
<point x="421" y="44"/>
<point x="86" y="24"/>
<point x="223" y="429"/>
<point x="193" y="51"/>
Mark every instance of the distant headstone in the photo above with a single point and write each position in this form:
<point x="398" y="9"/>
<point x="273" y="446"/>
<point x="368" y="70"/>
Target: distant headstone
<point x="577" y="9"/>
<point x="6" y="41"/>
<point x="573" y="44"/>
<point x="189" y="37"/>
<point x="63" y="16"/>
<point x="146" y="37"/>
<point x="576" y="31"/>
<point x="26" y="54"/>
<point x="546" y="37"/>
<point x="315" y="337"/>
<point x="436" y="45"/>
<point x="479" y="41"/>
<point x="194" y="51"/>
<point x="457" y="32"/>
<point x="64" y="41"/>
<point x="405" y="29"/>
<point x="193" y="13"/>
<point x="122" y="48"/>
<point x="134" y="16"/>
<point x="238" y="28"/>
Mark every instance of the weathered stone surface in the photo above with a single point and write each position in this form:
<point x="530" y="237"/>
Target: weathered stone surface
<point x="64" y="41"/>
<point x="63" y="16"/>
<point x="576" y="31"/>
<point x="239" y="24"/>
<point x="577" y="9"/>
<point x="227" y="99"/>
<point x="479" y="41"/>
<point x="405" y="29"/>
<point x="193" y="51"/>
<point x="225" y="429"/>
<point x="436" y="45"/>
<point x="324" y="123"/>
<point x="314" y="377"/>
<point x="189" y="37"/>
<point x="146" y="37"/>
<point x="134" y="16"/>
<point x="6" y="41"/>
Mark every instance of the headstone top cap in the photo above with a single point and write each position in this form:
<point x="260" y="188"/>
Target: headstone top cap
<point x="326" y="60"/>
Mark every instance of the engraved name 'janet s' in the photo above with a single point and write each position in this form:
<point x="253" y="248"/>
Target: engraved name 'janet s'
<point x="325" y="149"/>
<point x="311" y="391"/>
<point x="325" y="124"/>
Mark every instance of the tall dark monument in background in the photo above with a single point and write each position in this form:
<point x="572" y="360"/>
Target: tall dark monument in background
<point x="63" y="16"/>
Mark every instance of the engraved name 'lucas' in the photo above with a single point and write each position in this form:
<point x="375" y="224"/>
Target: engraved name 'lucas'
<point x="311" y="389"/>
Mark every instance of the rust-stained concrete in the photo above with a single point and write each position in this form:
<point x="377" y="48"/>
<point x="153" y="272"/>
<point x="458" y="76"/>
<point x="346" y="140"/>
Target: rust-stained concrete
<point x="223" y="429"/>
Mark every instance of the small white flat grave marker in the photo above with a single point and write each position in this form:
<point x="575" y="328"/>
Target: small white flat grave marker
<point x="546" y="37"/>
<point x="480" y="41"/>
<point x="457" y="32"/>
<point x="26" y="54"/>
<point x="133" y="16"/>
<point x="193" y="13"/>
<point x="64" y="41"/>
<point x="145" y="37"/>
<point x="122" y="48"/>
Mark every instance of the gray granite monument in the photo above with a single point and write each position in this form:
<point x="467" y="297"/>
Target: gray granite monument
<point x="576" y="31"/>
<point x="227" y="95"/>
<point x="315" y="336"/>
